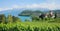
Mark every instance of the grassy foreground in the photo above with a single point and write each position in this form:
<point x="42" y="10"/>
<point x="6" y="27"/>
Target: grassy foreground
<point x="30" y="26"/>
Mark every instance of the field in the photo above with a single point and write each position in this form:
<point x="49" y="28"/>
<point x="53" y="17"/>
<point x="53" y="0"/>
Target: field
<point x="30" y="26"/>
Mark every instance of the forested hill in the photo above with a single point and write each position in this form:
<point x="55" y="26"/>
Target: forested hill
<point x="30" y="12"/>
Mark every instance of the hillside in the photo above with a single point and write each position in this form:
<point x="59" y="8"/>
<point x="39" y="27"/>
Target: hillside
<point x="15" y="12"/>
<point x="30" y="12"/>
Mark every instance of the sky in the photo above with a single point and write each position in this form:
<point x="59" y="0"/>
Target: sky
<point x="10" y="4"/>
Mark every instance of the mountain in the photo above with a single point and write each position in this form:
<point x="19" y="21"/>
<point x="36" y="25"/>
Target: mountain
<point x="15" y="12"/>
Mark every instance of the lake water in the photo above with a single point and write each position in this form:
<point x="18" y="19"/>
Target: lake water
<point x="23" y="18"/>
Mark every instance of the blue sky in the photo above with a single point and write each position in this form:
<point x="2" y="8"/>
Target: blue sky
<point x="10" y="4"/>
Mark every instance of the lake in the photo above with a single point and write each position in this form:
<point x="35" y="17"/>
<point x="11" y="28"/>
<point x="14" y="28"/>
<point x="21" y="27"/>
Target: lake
<point x="23" y="18"/>
<point x="13" y="13"/>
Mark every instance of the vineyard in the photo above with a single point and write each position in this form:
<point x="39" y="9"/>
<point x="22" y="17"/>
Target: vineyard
<point x="31" y="26"/>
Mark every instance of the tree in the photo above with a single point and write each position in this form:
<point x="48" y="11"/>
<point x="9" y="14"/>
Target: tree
<point x="2" y="18"/>
<point x="38" y="11"/>
<point x="35" y="18"/>
<point x="15" y="19"/>
<point x="9" y="18"/>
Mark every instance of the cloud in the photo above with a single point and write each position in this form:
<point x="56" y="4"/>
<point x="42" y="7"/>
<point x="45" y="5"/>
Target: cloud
<point x="0" y="9"/>
<point x="3" y="9"/>
<point x="49" y="5"/>
<point x="15" y="6"/>
<point x="53" y="5"/>
<point x="43" y="5"/>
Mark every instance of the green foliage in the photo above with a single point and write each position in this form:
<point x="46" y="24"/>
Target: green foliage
<point x="9" y="18"/>
<point x="35" y="18"/>
<point x="16" y="19"/>
<point x="30" y="26"/>
<point x="2" y="18"/>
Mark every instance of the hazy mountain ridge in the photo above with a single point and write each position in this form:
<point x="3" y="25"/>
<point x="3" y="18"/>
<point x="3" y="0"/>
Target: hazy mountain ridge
<point x="15" y="12"/>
